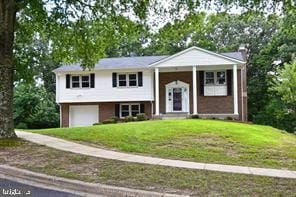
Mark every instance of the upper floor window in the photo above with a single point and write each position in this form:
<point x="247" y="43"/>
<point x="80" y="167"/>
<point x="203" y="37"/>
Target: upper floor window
<point x="75" y="81"/>
<point x="215" y="83"/>
<point x="221" y="78"/>
<point x="209" y="78"/>
<point x="80" y="81"/>
<point x="127" y="80"/>
<point x="215" y="78"/>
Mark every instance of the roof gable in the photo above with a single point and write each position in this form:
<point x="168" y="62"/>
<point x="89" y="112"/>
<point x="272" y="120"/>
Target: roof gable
<point x="196" y="56"/>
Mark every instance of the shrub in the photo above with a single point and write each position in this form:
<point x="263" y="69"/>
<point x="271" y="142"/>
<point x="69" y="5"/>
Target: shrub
<point x="115" y="119"/>
<point x="195" y="116"/>
<point x="34" y="107"/>
<point x="97" y="123"/>
<point x="129" y="118"/>
<point x="228" y="118"/>
<point x="141" y="117"/>
<point x="21" y="125"/>
<point x="108" y="121"/>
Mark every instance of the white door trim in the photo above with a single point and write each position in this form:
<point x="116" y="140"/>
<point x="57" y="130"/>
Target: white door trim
<point x="185" y="96"/>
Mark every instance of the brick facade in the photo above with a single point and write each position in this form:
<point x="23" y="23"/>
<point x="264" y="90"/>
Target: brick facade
<point x="106" y="110"/>
<point x="205" y="104"/>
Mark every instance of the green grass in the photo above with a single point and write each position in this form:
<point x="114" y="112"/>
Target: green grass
<point x="148" y="177"/>
<point x="195" y="140"/>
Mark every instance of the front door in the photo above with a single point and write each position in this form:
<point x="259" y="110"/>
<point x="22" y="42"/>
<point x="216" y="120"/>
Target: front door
<point x="177" y="99"/>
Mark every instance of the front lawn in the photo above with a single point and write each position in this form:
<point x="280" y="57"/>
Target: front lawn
<point x="210" y="141"/>
<point x="148" y="177"/>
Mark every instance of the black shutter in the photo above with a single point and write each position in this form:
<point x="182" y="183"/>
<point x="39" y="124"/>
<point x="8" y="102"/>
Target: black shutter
<point x="92" y="80"/>
<point x="229" y="82"/>
<point x="117" y="106"/>
<point x="114" y="80"/>
<point x="67" y="81"/>
<point x="140" y="79"/>
<point x="201" y="83"/>
<point x="142" y="108"/>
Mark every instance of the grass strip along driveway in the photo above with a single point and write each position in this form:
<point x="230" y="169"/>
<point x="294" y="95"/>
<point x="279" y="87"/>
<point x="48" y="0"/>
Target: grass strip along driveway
<point x="46" y="160"/>
<point x="209" y="141"/>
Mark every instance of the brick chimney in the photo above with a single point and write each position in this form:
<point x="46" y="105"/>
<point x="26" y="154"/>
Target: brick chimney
<point x="243" y="50"/>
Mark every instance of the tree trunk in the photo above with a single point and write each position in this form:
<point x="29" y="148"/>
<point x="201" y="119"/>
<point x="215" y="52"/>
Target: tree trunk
<point x="7" y="21"/>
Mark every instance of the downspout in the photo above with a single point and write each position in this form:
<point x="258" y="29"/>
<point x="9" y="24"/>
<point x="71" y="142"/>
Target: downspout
<point x="242" y="96"/>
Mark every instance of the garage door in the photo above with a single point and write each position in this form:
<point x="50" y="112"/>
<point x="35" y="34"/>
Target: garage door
<point x="83" y="115"/>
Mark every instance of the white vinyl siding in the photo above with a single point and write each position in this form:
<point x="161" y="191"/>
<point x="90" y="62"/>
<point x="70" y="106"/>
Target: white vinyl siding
<point x="195" y="57"/>
<point x="103" y="91"/>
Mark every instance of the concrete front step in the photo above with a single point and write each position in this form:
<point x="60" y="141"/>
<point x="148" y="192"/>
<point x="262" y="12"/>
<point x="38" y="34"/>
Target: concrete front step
<point x="174" y="116"/>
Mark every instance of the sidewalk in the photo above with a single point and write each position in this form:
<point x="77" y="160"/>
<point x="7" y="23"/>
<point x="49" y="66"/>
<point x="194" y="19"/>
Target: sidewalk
<point x="73" y="147"/>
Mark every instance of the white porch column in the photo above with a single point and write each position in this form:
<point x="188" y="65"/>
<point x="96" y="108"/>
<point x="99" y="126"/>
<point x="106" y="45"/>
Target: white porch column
<point x="156" y="80"/>
<point x="194" y="90"/>
<point x="235" y="97"/>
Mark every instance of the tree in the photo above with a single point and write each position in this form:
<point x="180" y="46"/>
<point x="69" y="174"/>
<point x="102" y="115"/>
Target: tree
<point x="285" y="86"/>
<point x="34" y="107"/>
<point x="7" y="21"/>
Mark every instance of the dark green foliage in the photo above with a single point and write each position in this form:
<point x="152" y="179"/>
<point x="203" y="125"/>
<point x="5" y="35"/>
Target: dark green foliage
<point x="115" y="119"/>
<point x="129" y="119"/>
<point x="141" y="117"/>
<point x="35" y="108"/>
<point x="228" y="118"/>
<point x="109" y="121"/>
<point x="97" y="123"/>
<point x="195" y="116"/>
<point x="276" y="114"/>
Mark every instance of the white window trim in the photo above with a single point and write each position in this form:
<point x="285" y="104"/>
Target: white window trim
<point x="215" y="78"/>
<point x="129" y="108"/>
<point x="127" y="80"/>
<point x="80" y="81"/>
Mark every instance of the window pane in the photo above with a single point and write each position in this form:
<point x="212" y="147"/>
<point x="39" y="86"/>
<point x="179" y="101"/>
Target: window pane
<point x="122" y="83"/>
<point x="122" y="77"/>
<point x="209" y="74"/>
<point x="75" y="78"/>
<point x="135" y="110"/>
<point x="132" y="83"/>
<point x="124" y="108"/>
<point x="85" y="78"/>
<point x="210" y="78"/>
<point x="124" y="113"/>
<point x="75" y="84"/>
<point x="132" y="76"/>
<point x="221" y="78"/>
<point x="85" y="84"/>
<point x="135" y="107"/>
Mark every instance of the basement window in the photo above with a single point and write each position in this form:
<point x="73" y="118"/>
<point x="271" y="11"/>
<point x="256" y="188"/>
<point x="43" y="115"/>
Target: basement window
<point x="129" y="109"/>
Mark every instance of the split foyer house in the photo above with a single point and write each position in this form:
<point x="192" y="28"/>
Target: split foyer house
<point x="193" y="81"/>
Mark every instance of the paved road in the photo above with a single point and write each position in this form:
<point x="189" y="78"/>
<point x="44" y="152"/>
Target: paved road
<point x="7" y="186"/>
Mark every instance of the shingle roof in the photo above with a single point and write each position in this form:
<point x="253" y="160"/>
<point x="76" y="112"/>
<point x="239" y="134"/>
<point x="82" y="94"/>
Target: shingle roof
<point x="129" y="62"/>
<point x="235" y="55"/>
